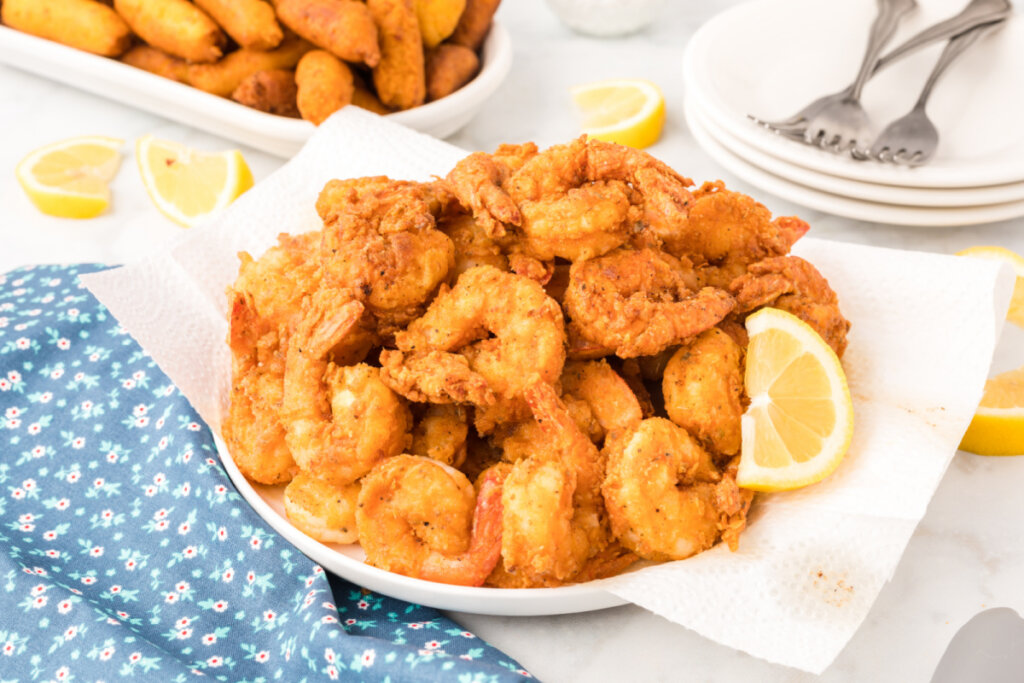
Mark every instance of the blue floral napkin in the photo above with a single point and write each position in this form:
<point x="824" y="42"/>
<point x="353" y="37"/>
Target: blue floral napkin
<point x="126" y="552"/>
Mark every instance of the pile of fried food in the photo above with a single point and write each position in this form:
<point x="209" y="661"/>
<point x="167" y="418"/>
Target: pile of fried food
<point x="526" y="374"/>
<point x="305" y="58"/>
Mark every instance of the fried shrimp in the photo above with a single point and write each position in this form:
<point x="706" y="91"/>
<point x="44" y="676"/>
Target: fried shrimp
<point x="638" y="302"/>
<point x="262" y="301"/>
<point x="421" y="518"/>
<point x="322" y="510"/>
<point x="472" y="246"/>
<point x="440" y="434"/>
<point x="553" y="517"/>
<point x="608" y="396"/>
<point x="796" y="286"/>
<point x="380" y="241"/>
<point x="341" y="420"/>
<point x="725" y="231"/>
<point x="528" y="342"/>
<point x="573" y="201"/>
<point x="537" y="544"/>
<point x="703" y="389"/>
<point x="477" y="181"/>
<point x="252" y="428"/>
<point x="665" y="499"/>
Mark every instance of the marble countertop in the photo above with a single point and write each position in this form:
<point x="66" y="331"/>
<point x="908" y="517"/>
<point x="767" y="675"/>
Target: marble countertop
<point x="965" y="556"/>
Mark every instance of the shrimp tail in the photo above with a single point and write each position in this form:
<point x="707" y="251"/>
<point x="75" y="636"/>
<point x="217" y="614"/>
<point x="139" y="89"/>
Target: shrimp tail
<point x="473" y="567"/>
<point x="327" y="323"/>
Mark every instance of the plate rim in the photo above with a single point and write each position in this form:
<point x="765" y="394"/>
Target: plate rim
<point x="842" y="206"/>
<point x="696" y="55"/>
<point x="856" y="189"/>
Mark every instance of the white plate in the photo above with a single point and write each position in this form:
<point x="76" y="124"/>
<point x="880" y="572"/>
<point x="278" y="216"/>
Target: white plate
<point x="771" y="57"/>
<point x="274" y="134"/>
<point x="347" y="562"/>
<point x="884" y="194"/>
<point x="844" y="206"/>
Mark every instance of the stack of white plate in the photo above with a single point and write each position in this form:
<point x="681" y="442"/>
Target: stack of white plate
<point x="768" y="58"/>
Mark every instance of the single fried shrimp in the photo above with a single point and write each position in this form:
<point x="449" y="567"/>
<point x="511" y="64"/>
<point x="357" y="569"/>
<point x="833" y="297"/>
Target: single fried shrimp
<point x="477" y="181"/>
<point x="529" y="333"/>
<point x="263" y="300"/>
<point x="433" y="377"/>
<point x="725" y="231"/>
<point x="665" y="499"/>
<point x="421" y="518"/>
<point x="440" y="434"/>
<point x="573" y="201"/>
<point x="537" y="543"/>
<point x="252" y="429"/>
<point x="796" y="286"/>
<point x="638" y="303"/>
<point x="379" y="240"/>
<point x="322" y="510"/>
<point x="472" y="246"/>
<point x="703" y="389"/>
<point x="341" y="420"/>
<point x="599" y="191"/>
<point x="609" y="397"/>
<point x="279" y="279"/>
<point x="553" y="519"/>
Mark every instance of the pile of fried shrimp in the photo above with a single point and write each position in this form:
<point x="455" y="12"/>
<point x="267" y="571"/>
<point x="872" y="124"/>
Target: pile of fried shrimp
<point x="298" y="58"/>
<point x="525" y="374"/>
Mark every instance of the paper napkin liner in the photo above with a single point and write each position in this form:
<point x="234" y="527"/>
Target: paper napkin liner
<point x="812" y="562"/>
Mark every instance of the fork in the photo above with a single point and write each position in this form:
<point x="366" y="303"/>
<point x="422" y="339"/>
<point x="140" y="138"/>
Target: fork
<point x="976" y="13"/>
<point x="912" y="139"/>
<point x="843" y="123"/>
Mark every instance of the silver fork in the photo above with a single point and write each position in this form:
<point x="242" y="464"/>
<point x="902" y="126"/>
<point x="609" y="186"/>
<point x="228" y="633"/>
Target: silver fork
<point x="976" y="13"/>
<point x="843" y="123"/>
<point x="912" y="139"/>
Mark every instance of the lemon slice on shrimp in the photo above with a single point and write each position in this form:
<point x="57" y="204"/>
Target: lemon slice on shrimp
<point x="800" y="420"/>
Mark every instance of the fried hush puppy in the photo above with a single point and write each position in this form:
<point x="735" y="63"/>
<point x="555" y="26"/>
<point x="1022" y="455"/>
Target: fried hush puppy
<point x="449" y="67"/>
<point x="342" y="27"/>
<point x="324" y="83"/>
<point x="157" y="62"/>
<point x="251" y="23"/>
<point x="475" y="23"/>
<point x="84" y="24"/>
<point x="272" y="91"/>
<point x="223" y="77"/>
<point x="400" y="77"/>
<point x="175" y="26"/>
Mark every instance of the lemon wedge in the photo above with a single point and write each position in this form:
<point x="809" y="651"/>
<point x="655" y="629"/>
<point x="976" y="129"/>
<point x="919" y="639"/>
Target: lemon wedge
<point x="629" y="112"/>
<point x="998" y="425"/>
<point x="1016" y="312"/>
<point x="800" y="420"/>
<point x="70" y="178"/>
<point x="185" y="184"/>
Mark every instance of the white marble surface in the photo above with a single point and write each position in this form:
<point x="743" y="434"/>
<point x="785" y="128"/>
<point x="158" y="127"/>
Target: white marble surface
<point x="967" y="554"/>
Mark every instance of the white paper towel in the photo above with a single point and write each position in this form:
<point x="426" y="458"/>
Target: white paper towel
<point x="812" y="561"/>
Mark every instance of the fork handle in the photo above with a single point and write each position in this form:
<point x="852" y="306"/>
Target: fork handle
<point x="976" y="13"/>
<point x="954" y="48"/>
<point x="882" y="29"/>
